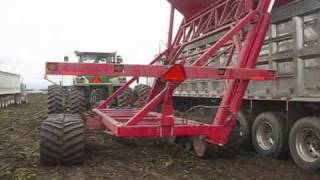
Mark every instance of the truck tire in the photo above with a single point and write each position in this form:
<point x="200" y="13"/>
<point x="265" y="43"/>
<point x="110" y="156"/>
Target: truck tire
<point x="5" y="102"/>
<point x="62" y="140"/>
<point x="17" y="99"/>
<point x="304" y="143"/>
<point x="11" y="98"/>
<point x="55" y="99"/>
<point x="77" y="101"/>
<point x="140" y="93"/>
<point x="269" y="135"/>
<point x="125" y="98"/>
<point x="245" y="129"/>
<point x="1" y="102"/>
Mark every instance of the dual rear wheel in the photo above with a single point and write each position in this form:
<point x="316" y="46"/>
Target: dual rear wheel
<point x="133" y="97"/>
<point x="271" y="137"/>
<point x="70" y="100"/>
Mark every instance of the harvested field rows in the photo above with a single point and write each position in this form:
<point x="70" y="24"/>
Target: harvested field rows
<point x="110" y="158"/>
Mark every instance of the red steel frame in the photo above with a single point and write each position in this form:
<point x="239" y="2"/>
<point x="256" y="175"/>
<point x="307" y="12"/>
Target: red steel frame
<point x="242" y="26"/>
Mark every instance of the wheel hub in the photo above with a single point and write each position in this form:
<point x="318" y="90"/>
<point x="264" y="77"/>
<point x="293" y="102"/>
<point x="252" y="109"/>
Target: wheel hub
<point x="265" y="136"/>
<point x="308" y="145"/>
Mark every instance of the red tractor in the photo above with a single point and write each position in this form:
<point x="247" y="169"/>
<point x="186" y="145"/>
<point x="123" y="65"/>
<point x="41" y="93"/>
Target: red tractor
<point x="236" y="30"/>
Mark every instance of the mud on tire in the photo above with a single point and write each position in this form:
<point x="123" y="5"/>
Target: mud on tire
<point x="97" y="95"/>
<point x="140" y="93"/>
<point x="304" y="143"/>
<point x="55" y="99"/>
<point x="270" y="136"/>
<point x="125" y="98"/>
<point x="62" y="140"/>
<point x="77" y="101"/>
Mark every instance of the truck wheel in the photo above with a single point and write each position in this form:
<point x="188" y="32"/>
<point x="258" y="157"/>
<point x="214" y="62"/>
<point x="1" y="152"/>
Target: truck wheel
<point x="62" y="140"/>
<point x="55" y="99"/>
<point x="77" y="101"/>
<point x="269" y="135"/>
<point x="6" y="102"/>
<point x="11" y="100"/>
<point x="304" y="143"/>
<point x="245" y="130"/>
<point x="141" y="92"/>
<point x="17" y="99"/>
<point x="125" y="98"/>
<point x="1" y="102"/>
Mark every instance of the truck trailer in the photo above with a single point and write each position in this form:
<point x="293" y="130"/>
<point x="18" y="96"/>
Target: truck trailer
<point x="11" y="89"/>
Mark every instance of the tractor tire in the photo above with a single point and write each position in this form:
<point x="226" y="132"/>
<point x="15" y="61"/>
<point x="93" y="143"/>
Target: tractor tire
<point x="62" y="140"/>
<point x="304" y="143"/>
<point x="101" y="94"/>
<point x="269" y="135"/>
<point x="141" y="92"/>
<point x="77" y="101"/>
<point x="55" y="99"/>
<point x="97" y="95"/>
<point x="125" y="98"/>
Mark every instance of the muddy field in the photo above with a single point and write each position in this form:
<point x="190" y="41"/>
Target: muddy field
<point x="110" y="158"/>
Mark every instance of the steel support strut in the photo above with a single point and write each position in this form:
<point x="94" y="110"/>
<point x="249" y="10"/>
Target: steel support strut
<point x="236" y="29"/>
<point x="232" y="99"/>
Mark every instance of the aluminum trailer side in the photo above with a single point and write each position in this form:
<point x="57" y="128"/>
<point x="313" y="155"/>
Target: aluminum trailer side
<point x="10" y="89"/>
<point x="282" y="115"/>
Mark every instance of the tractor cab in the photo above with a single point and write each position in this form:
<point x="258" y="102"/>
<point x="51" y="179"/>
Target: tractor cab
<point x="98" y="87"/>
<point x="98" y="57"/>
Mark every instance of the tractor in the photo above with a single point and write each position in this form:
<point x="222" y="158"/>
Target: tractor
<point x="97" y="88"/>
<point x="88" y="90"/>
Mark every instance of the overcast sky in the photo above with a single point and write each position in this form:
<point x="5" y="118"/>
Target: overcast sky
<point x="35" y="31"/>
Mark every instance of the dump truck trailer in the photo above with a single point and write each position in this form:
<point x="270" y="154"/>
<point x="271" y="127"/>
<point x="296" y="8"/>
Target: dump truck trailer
<point x="11" y="89"/>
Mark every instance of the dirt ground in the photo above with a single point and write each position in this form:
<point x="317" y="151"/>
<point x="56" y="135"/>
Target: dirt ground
<point x="111" y="158"/>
